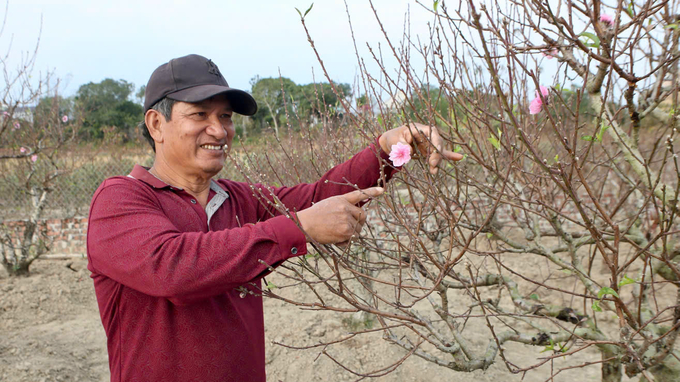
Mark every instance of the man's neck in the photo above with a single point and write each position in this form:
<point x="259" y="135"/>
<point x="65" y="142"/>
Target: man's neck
<point x="196" y="186"/>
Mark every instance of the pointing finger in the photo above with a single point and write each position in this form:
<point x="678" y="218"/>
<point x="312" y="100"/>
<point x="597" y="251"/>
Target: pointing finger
<point x="450" y="155"/>
<point x="357" y="196"/>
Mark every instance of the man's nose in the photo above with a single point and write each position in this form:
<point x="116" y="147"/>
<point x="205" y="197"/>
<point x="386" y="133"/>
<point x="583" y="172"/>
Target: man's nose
<point x="216" y="128"/>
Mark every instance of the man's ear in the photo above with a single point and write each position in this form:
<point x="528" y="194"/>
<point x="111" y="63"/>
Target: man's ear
<point x="154" y="120"/>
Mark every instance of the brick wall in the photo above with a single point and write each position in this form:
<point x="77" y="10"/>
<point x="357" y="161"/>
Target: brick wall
<point x="68" y="234"/>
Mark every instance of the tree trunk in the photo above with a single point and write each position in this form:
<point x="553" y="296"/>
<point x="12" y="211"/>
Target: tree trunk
<point x="667" y="371"/>
<point x="276" y="123"/>
<point x="18" y="269"/>
<point x="611" y="370"/>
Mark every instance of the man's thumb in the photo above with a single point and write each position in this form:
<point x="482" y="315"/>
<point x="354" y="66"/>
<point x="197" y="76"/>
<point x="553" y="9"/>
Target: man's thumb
<point x="357" y="196"/>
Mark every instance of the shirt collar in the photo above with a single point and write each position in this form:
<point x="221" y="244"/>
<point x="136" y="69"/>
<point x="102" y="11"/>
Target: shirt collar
<point x="142" y="173"/>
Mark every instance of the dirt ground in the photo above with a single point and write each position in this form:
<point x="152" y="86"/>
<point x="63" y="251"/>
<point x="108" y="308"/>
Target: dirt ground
<point x="50" y="331"/>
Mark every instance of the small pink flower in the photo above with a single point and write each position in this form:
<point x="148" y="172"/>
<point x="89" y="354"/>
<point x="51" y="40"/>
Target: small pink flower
<point x="551" y="54"/>
<point x="23" y="149"/>
<point x="5" y="114"/>
<point x="400" y="154"/>
<point x="64" y="118"/>
<point x="537" y="104"/>
<point x="16" y="125"/>
<point x="34" y="158"/>
<point x="604" y="18"/>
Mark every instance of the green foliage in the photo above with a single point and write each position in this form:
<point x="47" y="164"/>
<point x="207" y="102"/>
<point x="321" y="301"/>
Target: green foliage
<point x="496" y="142"/>
<point x="280" y="99"/>
<point x="107" y="104"/>
<point x="626" y="281"/>
<point x="431" y="99"/>
<point x="606" y="291"/>
<point x="591" y="40"/>
<point x="306" y="12"/>
<point x="598" y="136"/>
<point x="596" y="306"/>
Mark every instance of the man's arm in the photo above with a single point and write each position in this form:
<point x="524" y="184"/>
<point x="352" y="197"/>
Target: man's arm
<point x="362" y="171"/>
<point x="132" y="241"/>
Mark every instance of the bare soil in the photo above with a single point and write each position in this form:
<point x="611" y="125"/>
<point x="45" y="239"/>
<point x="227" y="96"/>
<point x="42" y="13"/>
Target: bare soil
<point x="50" y="331"/>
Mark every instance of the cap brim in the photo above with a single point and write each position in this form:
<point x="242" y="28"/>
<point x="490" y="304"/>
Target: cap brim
<point x="241" y="102"/>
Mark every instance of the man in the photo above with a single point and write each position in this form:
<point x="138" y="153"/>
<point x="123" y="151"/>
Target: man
<point x="177" y="257"/>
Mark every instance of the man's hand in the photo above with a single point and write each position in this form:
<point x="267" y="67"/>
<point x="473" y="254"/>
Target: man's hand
<point x="336" y="219"/>
<point x="426" y="139"/>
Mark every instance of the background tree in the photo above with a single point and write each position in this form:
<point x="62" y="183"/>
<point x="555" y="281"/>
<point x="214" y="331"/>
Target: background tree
<point x="35" y="129"/>
<point x="271" y="94"/>
<point x="108" y="104"/>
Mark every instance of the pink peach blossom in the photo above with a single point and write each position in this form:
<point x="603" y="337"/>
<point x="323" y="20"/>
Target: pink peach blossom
<point x="604" y="18"/>
<point x="34" y="158"/>
<point x="64" y="118"/>
<point x="551" y="54"/>
<point x="23" y="149"/>
<point x="537" y="104"/>
<point x="400" y="154"/>
<point x="16" y="125"/>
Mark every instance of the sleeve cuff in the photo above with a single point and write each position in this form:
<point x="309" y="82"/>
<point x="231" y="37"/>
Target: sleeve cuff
<point x="291" y="239"/>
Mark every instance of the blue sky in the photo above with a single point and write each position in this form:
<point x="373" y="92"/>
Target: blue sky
<point x="84" y="41"/>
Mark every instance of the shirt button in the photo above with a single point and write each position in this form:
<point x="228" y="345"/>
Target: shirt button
<point x="193" y="201"/>
<point x="293" y="251"/>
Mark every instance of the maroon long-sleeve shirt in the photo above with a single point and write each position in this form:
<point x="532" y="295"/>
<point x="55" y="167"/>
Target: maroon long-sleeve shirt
<point x="170" y="279"/>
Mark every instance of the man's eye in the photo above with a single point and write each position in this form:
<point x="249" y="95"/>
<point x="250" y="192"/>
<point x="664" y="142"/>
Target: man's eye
<point x="226" y="115"/>
<point x="200" y="114"/>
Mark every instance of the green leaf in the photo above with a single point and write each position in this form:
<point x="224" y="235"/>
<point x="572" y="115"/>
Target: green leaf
<point x="590" y="37"/>
<point x="298" y="11"/>
<point x="436" y="5"/>
<point x="308" y="9"/>
<point x="557" y="158"/>
<point x="600" y="134"/>
<point x="457" y="149"/>
<point x="626" y="281"/>
<point x="270" y="285"/>
<point x="588" y="138"/>
<point x="672" y="26"/>
<point x="606" y="291"/>
<point x="629" y="10"/>
<point x="495" y="143"/>
<point x="596" y="306"/>
<point x="534" y="296"/>
<point x="549" y="347"/>
<point x="489" y="235"/>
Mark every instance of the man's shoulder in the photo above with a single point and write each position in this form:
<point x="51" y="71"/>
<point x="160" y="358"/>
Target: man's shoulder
<point x="122" y="185"/>
<point x="126" y="181"/>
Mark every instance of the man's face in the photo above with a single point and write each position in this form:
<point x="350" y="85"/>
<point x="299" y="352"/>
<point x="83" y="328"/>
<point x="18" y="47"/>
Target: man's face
<point x="198" y="136"/>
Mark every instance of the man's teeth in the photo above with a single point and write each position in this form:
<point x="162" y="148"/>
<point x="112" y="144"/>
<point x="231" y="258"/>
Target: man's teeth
<point x="211" y="147"/>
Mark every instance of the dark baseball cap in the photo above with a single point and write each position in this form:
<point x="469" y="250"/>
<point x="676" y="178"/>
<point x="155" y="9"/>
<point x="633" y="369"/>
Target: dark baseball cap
<point x="194" y="78"/>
